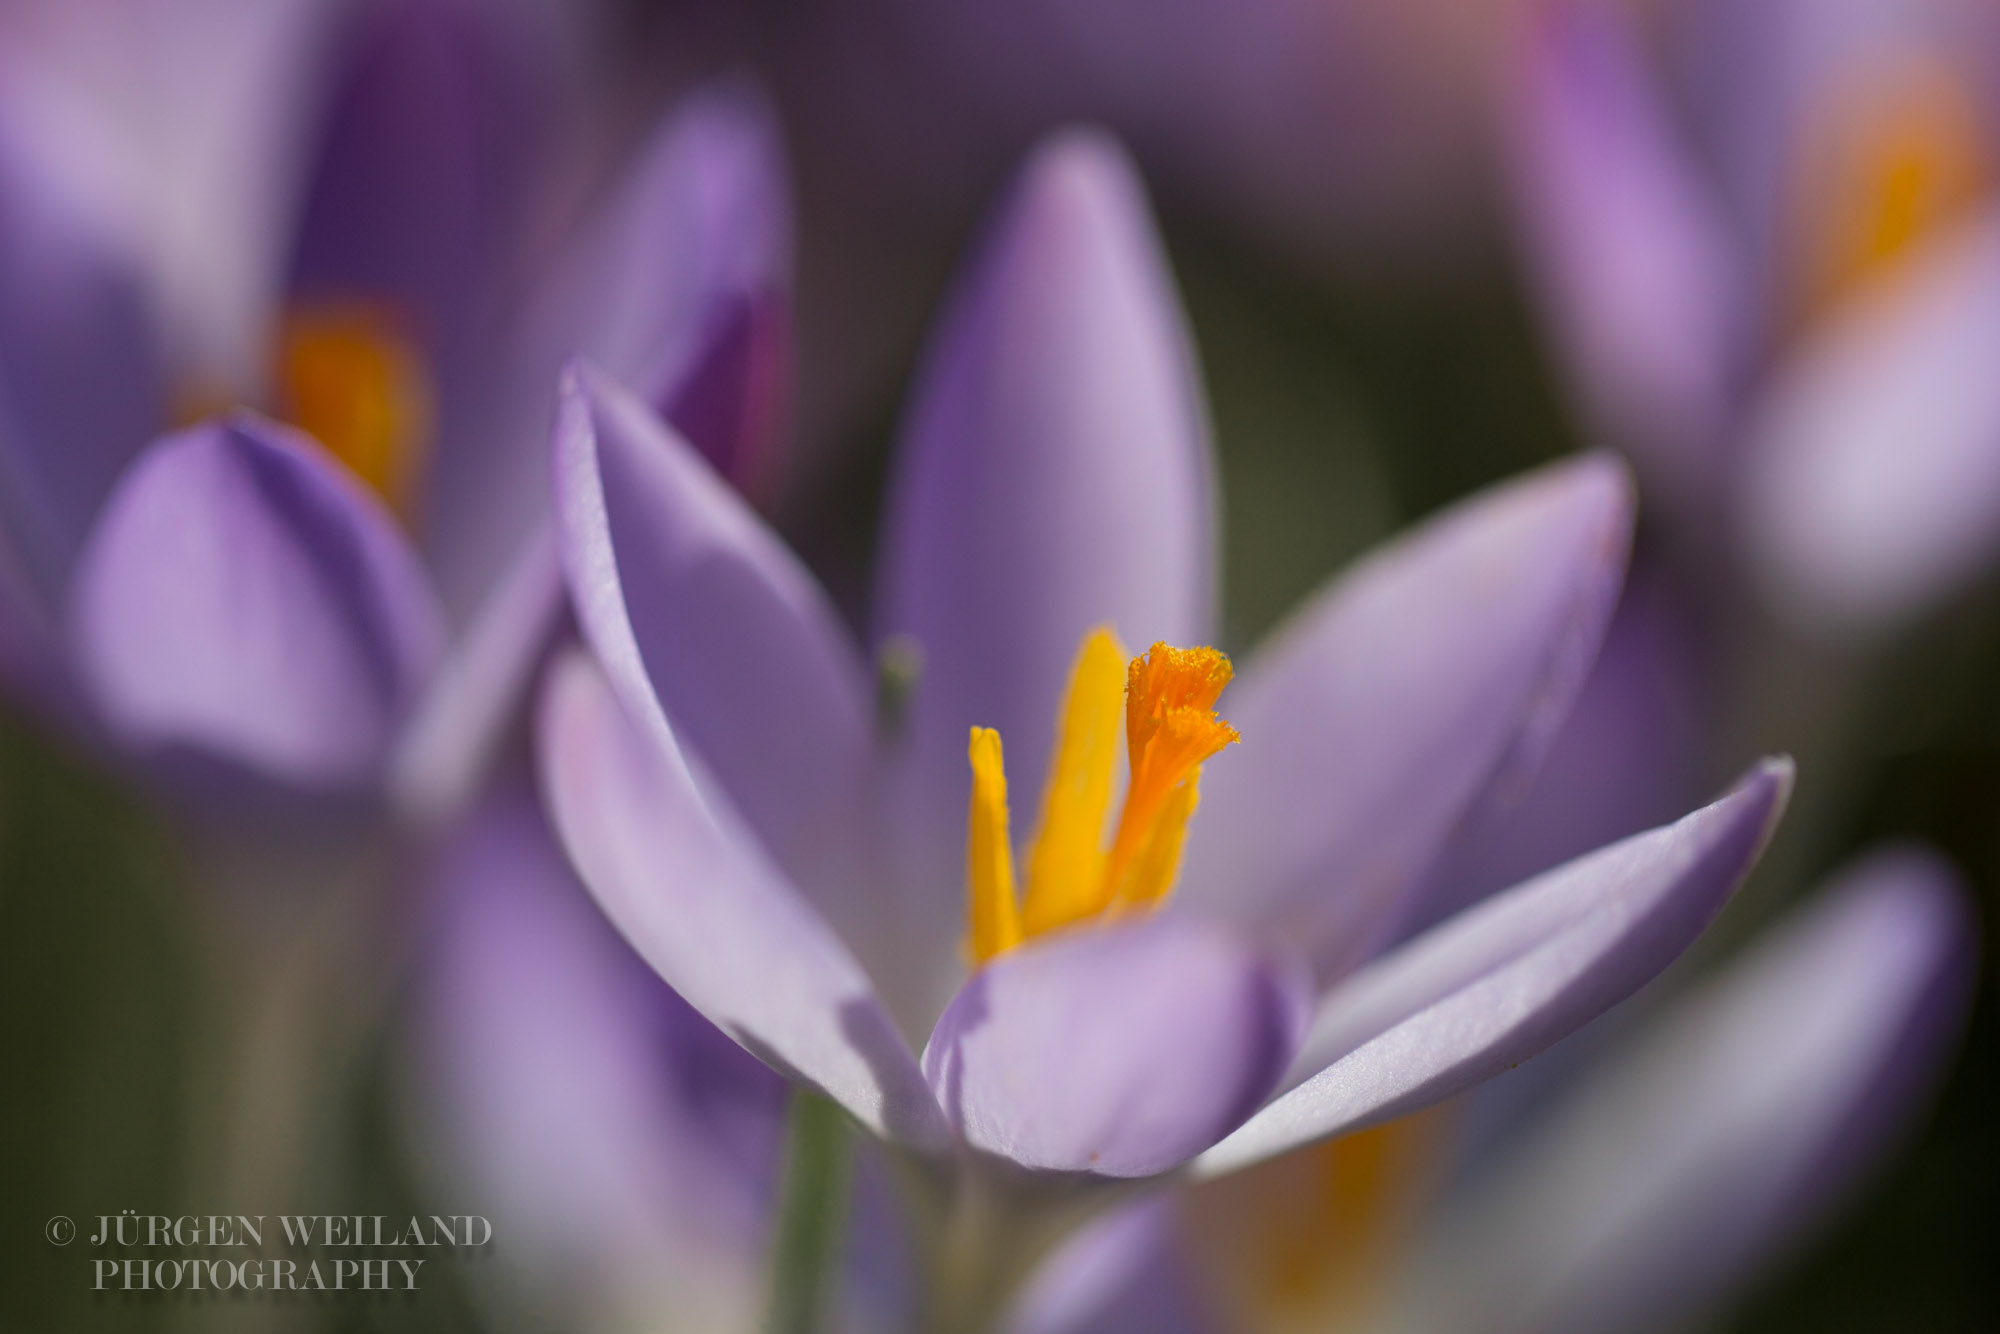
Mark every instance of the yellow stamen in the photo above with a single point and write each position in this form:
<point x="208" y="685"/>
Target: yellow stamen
<point x="1906" y="156"/>
<point x="1171" y="729"/>
<point x="1151" y="874"/>
<point x="1066" y="867"/>
<point x="989" y="858"/>
<point x="352" y="378"/>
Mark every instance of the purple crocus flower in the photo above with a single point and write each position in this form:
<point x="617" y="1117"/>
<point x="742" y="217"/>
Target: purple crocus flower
<point x="1642" y="1193"/>
<point x="358" y="604"/>
<point x="1768" y="252"/>
<point x="795" y="862"/>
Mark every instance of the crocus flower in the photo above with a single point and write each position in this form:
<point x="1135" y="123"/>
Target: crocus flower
<point x="797" y="864"/>
<point x="358" y="602"/>
<point x="1640" y="1196"/>
<point x="1769" y="257"/>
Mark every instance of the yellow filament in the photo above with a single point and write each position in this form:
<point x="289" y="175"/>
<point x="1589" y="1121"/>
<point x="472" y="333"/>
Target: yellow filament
<point x="1066" y="867"/>
<point x="1151" y="874"/>
<point x="1170" y="729"/>
<point x="1907" y="156"/>
<point x="989" y="858"/>
<point x="348" y="375"/>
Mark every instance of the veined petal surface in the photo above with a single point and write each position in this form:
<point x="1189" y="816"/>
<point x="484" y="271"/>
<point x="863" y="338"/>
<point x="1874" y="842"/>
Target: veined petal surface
<point x="1118" y="1051"/>
<point x="704" y="906"/>
<point x="696" y="608"/>
<point x="1390" y="705"/>
<point x="1502" y="981"/>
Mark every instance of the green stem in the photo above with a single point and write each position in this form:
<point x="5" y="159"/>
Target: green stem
<point x="806" y="1241"/>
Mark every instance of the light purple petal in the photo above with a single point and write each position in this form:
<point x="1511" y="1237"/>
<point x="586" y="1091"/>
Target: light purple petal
<point x="1053" y="476"/>
<point x="244" y="598"/>
<point x="556" y="1081"/>
<point x="1119" y="1051"/>
<point x="712" y="916"/>
<point x="478" y="691"/>
<point x="1727" y="1128"/>
<point x="691" y="601"/>
<point x="1872" y="484"/>
<point x="1638" y="276"/>
<point x="81" y="385"/>
<point x="678" y="288"/>
<point x="1376" y="721"/>
<point x="1628" y="757"/>
<point x="1502" y="981"/>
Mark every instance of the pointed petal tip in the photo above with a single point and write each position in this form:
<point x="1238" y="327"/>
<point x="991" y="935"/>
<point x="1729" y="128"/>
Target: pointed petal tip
<point x="1504" y="980"/>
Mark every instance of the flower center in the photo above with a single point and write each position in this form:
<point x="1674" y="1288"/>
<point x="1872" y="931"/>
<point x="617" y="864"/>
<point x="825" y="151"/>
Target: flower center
<point x="348" y="373"/>
<point x="1905" y="155"/>
<point x="1168" y="700"/>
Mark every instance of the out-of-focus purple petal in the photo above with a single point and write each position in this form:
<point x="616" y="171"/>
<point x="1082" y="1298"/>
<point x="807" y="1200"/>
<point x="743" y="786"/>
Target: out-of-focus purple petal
<point x="558" y="1082"/>
<point x="1053" y="476"/>
<point x="1628" y="757"/>
<point x="81" y="385"/>
<point x="1727" y="1129"/>
<point x="478" y="691"/>
<point x="1872" y="484"/>
<point x="1119" y="1051"/>
<point x="410" y="196"/>
<point x="691" y="601"/>
<point x="1121" y="1275"/>
<point x="1377" y="720"/>
<point x="689" y="269"/>
<point x="1500" y="982"/>
<point x="1639" y="276"/>
<point x="712" y="915"/>
<point x="678" y="288"/>
<point x="178" y="121"/>
<point x="244" y="598"/>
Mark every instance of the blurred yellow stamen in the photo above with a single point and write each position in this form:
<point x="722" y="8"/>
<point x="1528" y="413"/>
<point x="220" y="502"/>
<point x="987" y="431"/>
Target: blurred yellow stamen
<point x="1171" y="729"/>
<point x="349" y="375"/>
<point x="1304" y="1241"/>
<point x="1906" y="156"/>
<point x="989" y="858"/>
